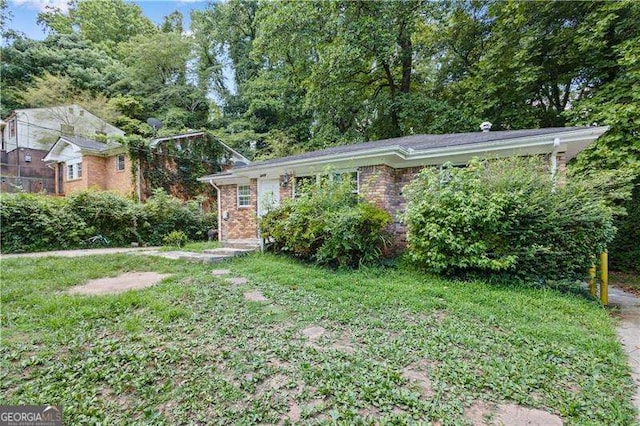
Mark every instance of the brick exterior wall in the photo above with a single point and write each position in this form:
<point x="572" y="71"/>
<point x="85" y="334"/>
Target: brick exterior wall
<point x="238" y="222"/>
<point x="119" y="180"/>
<point x="99" y="172"/>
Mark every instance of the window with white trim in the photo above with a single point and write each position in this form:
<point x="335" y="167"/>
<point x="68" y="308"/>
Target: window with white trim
<point x="74" y="170"/>
<point x="244" y="195"/>
<point x="120" y="162"/>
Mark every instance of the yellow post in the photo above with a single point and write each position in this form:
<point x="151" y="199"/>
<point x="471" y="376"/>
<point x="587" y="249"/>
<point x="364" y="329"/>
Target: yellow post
<point x="604" y="278"/>
<point x="592" y="280"/>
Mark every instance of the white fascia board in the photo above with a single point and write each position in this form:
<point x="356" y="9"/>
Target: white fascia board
<point x="397" y="156"/>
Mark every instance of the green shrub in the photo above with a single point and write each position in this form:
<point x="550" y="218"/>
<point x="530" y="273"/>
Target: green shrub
<point x="625" y="248"/>
<point x="33" y="222"/>
<point x="329" y="225"/>
<point x="109" y="214"/>
<point x="30" y="222"/>
<point x="175" y="239"/>
<point x="505" y="216"/>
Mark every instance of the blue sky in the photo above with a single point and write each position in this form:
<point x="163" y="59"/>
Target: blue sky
<point x="25" y="12"/>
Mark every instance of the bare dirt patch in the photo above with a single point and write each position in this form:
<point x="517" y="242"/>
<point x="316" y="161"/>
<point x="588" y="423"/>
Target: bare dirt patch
<point x="218" y="272"/>
<point x="484" y="413"/>
<point x="237" y="280"/>
<point x="314" y="332"/>
<point x="255" y="296"/>
<point x="416" y="374"/>
<point x="344" y="344"/>
<point x="119" y="284"/>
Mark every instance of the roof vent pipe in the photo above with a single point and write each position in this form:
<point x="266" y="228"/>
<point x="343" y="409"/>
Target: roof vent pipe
<point x="485" y="126"/>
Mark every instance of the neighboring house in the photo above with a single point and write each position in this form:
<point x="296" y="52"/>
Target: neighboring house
<point x="81" y="163"/>
<point x="380" y="168"/>
<point x="27" y="136"/>
<point x="178" y="155"/>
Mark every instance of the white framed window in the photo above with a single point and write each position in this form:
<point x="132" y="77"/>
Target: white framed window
<point x="244" y="195"/>
<point x="74" y="170"/>
<point x="120" y="162"/>
<point x="12" y="128"/>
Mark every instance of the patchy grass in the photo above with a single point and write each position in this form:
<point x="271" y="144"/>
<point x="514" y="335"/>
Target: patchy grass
<point x="627" y="281"/>
<point x="348" y="347"/>
<point x="195" y="247"/>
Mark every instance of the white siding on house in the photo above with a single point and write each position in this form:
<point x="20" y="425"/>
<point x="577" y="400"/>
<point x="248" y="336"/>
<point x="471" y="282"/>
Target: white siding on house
<point x="40" y="128"/>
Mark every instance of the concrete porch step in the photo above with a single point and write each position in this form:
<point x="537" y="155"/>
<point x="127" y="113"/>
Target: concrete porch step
<point x="228" y="252"/>
<point x="245" y="244"/>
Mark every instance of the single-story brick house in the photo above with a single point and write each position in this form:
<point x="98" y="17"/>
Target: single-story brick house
<point x="381" y="168"/>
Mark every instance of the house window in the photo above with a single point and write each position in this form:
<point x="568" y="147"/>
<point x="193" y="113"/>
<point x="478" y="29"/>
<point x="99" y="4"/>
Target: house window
<point x="120" y="162"/>
<point x="12" y="128"/>
<point x="74" y="171"/>
<point x="244" y="196"/>
<point x="352" y="177"/>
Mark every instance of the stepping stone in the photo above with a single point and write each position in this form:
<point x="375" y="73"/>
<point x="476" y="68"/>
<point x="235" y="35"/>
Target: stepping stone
<point x="255" y="296"/>
<point x="218" y="272"/>
<point x="237" y="280"/>
<point x="313" y="332"/>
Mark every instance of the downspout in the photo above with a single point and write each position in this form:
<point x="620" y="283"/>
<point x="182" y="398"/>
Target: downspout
<point x="554" y="161"/>
<point x="219" y="210"/>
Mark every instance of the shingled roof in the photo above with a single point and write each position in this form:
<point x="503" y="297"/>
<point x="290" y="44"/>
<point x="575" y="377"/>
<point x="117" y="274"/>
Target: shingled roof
<point x="421" y="143"/>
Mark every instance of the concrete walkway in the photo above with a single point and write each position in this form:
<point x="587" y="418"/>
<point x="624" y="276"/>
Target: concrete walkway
<point x="629" y="334"/>
<point x="208" y="256"/>
<point x="78" y="253"/>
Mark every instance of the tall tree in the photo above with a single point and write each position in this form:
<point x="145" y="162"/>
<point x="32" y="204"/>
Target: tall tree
<point x="106" y="23"/>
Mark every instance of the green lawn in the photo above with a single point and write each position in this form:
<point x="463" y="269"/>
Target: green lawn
<point x="193" y="350"/>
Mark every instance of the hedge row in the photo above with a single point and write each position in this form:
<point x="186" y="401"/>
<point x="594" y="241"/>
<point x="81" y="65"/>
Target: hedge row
<point x="33" y="222"/>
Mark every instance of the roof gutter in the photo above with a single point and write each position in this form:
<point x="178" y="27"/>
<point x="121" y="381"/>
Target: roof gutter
<point x="412" y="154"/>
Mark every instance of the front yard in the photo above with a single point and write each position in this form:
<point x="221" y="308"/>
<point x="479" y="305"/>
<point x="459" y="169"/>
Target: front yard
<point x="301" y="344"/>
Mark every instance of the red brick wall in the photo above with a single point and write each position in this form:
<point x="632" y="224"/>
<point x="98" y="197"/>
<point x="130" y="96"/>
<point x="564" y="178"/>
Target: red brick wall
<point x="288" y="191"/>
<point x="100" y="172"/>
<point x="116" y="180"/>
<point x="240" y="222"/>
<point x="95" y="171"/>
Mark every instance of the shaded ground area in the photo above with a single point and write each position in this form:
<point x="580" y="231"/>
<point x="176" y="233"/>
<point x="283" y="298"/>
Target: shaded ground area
<point x="627" y="281"/>
<point x="284" y="342"/>
<point x="114" y="285"/>
<point x="628" y="311"/>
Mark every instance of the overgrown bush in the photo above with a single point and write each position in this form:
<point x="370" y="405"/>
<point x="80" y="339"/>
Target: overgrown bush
<point x="329" y="225"/>
<point x="30" y="222"/>
<point x="625" y="248"/>
<point x="33" y="222"/>
<point x="175" y="239"/>
<point x="108" y="213"/>
<point x="507" y="216"/>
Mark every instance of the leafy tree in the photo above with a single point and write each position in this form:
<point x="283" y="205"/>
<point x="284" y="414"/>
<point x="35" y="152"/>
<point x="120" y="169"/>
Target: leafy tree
<point x="107" y="23"/>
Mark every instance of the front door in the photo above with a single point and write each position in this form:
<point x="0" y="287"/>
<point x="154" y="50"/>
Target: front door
<point x="268" y="195"/>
